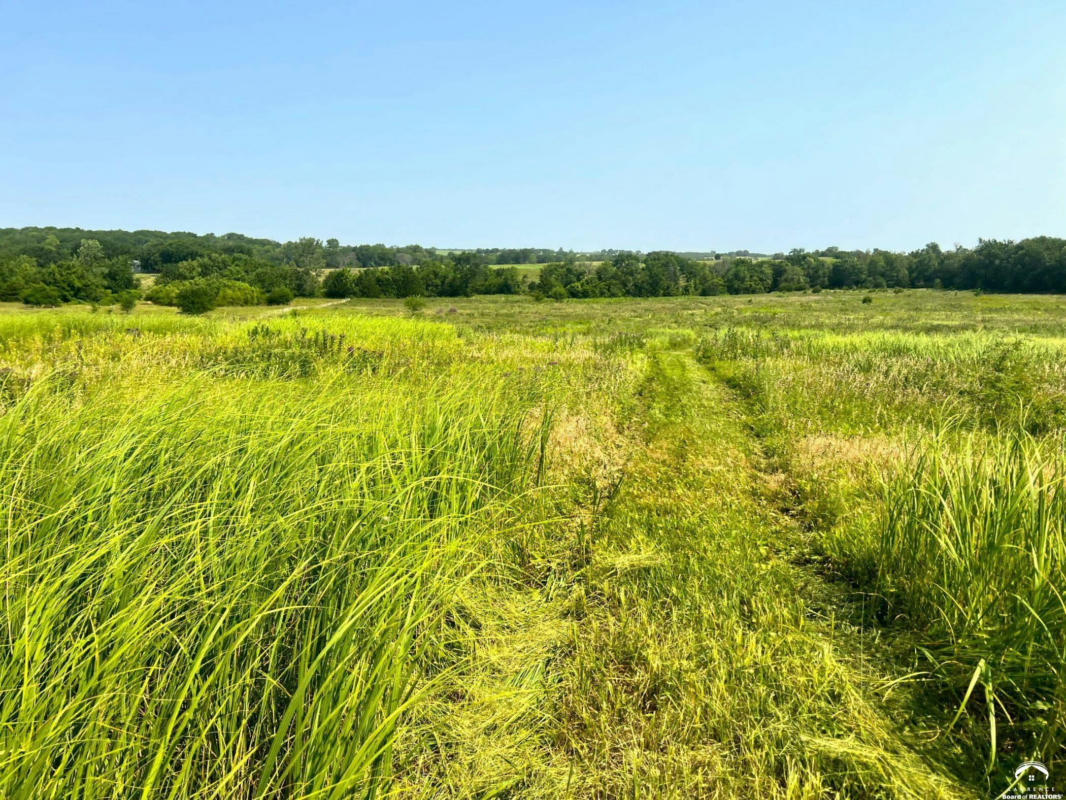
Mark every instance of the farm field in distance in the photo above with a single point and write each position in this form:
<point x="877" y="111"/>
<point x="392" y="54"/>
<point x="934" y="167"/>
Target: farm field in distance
<point x="778" y="546"/>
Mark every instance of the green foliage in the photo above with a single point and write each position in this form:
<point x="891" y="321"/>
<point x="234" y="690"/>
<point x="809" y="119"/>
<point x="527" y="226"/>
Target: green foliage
<point x="82" y="265"/>
<point x="280" y="296"/>
<point x="39" y="294"/>
<point x="748" y="277"/>
<point x="164" y="294"/>
<point x="220" y="291"/>
<point x="90" y="252"/>
<point x="238" y="293"/>
<point x="128" y="300"/>
<point x="15" y="276"/>
<point x="789" y="278"/>
<point x="196" y="297"/>
<point x="414" y="303"/>
<point x="339" y="283"/>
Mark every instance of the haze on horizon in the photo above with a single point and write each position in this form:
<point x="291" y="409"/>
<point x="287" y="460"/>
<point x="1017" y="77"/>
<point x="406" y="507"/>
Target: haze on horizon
<point x="687" y="126"/>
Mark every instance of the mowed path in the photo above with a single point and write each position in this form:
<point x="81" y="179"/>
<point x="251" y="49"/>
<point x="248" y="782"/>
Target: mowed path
<point x="274" y="312"/>
<point x="707" y="663"/>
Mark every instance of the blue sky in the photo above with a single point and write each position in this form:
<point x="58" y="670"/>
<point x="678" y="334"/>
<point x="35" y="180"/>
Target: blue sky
<point x="673" y="125"/>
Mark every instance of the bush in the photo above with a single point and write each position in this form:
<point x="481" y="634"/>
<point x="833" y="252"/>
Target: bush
<point x="196" y="298"/>
<point x="236" y="293"/>
<point x="128" y="300"/>
<point x="281" y="296"/>
<point x="222" y="293"/>
<point x="39" y="294"/>
<point x="414" y="303"/>
<point x="339" y="283"/>
<point x="164" y="294"/>
<point x="558" y="293"/>
<point x="866" y="300"/>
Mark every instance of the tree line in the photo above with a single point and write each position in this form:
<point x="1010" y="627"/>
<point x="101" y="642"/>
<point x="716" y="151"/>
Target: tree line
<point x="46" y="266"/>
<point x="153" y="250"/>
<point x="1036" y="265"/>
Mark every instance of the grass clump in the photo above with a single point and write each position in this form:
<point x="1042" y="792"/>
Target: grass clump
<point x="971" y="553"/>
<point x="220" y="587"/>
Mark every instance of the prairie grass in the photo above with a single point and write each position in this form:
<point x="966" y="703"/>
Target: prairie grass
<point x="791" y="546"/>
<point x="229" y="568"/>
<point x="222" y="590"/>
<point x="970" y="550"/>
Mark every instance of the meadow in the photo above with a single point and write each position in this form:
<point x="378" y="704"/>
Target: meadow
<point x="785" y="546"/>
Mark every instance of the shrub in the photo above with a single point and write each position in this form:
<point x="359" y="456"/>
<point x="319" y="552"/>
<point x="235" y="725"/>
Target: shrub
<point x="164" y="294"/>
<point x="39" y="294"/>
<point x="221" y="292"/>
<point x="414" y="303"/>
<point x="236" y="293"/>
<point x="866" y="300"/>
<point x="339" y="283"/>
<point x="196" y="298"/>
<point x="281" y="296"/>
<point x="128" y="300"/>
<point x="558" y="293"/>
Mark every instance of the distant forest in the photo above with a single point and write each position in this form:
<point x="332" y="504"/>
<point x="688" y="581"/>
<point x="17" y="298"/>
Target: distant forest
<point x="48" y="266"/>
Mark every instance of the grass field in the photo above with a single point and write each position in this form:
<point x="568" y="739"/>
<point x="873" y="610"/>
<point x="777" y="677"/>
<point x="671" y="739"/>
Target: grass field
<point x="785" y="546"/>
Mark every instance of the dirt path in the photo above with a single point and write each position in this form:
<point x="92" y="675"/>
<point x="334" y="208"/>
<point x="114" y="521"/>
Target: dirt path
<point x="285" y="309"/>
<point x="702" y="666"/>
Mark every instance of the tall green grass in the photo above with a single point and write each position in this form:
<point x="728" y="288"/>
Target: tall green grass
<point x="285" y="556"/>
<point x="960" y="544"/>
<point x="218" y="587"/>
<point x="970" y="551"/>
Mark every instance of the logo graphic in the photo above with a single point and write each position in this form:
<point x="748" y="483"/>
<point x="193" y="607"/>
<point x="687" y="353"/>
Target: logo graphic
<point x="1030" y="783"/>
<point x="1031" y="770"/>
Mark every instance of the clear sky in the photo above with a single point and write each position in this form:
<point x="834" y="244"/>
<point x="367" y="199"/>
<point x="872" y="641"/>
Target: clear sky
<point x="646" y="125"/>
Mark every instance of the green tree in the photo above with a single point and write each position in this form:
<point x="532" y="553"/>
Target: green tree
<point x="791" y="279"/>
<point x="749" y="277"/>
<point x="90" y="252"/>
<point x="280" y="296"/>
<point x="128" y="300"/>
<point x="405" y="281"/>
<point x="197" y="297"/>
<point x="333" y="253"/>
<point x="366" y="284"/>
<point x="16" y="275"/>
<point x="306" y="253"/>
<point x="848" y="272"/>
<point x="118" y="275"/>
<point x="39" y="294"/>
<point x="339" y="283"/>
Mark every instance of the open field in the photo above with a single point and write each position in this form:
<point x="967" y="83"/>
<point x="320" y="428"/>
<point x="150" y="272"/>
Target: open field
<point x="784" y="546"/>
